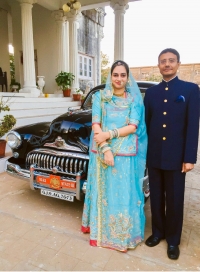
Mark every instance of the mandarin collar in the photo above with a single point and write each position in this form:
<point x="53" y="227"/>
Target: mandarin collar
<point x="171" y="81"/>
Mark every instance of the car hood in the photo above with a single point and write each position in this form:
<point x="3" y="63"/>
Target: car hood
<point x="70" y="131"/>
<point x="38" y="129"/>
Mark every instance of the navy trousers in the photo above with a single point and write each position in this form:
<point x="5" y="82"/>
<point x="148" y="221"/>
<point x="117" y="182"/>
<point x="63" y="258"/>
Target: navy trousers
<point x="167" y="189"/>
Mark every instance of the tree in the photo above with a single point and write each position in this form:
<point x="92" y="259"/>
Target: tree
<point x="12" y="67"/>
<point x="155" y="78"/>
<point x="12" y="72"/>
<point x="104" y="67"/>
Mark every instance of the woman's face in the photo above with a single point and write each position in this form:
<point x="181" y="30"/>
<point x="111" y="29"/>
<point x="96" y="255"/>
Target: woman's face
<point x="119" y="77"/>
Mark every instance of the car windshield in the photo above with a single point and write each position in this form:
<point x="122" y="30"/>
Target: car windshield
<point x="88" y="101"/>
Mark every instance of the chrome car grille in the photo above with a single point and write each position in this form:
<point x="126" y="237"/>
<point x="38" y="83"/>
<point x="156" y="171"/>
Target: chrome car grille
<point x="67" y="162"/>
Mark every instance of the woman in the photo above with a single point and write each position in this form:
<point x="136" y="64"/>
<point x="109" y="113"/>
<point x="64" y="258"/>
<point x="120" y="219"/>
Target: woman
<point x="114" y="203"/>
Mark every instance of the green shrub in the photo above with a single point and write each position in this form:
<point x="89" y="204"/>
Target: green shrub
<point x="8" y="121"/>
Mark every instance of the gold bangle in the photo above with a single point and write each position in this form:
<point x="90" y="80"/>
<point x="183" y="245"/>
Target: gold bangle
<point x="106" y="149"/>
<point x="103" y="145"/>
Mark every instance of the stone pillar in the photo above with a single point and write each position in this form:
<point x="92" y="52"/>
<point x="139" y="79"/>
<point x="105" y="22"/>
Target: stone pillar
<point x="119" y="7"/>
<point x="101" y="36"/>
<point x="66" y="46"/>
<point x="61" y="41"/>
<point x="28" y="49"/>
<point x="73" y="18"/>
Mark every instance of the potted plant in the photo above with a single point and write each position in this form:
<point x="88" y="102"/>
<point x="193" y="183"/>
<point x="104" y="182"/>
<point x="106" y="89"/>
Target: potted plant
<point x="77" y="95"/>
<point x="15" y="86"/>
<point x="64" y="80"/>
<point x="6" y="124"/>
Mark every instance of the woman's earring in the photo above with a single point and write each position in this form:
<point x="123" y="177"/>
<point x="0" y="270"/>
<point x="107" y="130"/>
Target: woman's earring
<point x="129" y="82"/>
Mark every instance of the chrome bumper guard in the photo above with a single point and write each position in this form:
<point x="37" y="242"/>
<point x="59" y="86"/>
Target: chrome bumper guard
<point x="16" y="171"/>
<point x="31" y="176"/>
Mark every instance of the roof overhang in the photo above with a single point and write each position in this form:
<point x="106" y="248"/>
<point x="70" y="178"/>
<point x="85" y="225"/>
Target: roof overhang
<point x="86" y="4"/>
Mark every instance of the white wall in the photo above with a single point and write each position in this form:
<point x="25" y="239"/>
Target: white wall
<point x="44" y="35"/>
<point x="45" y="42"/>
<point x="4" y="55"/>
<point x="44" y="30"/>
<point x="17" y="38"/>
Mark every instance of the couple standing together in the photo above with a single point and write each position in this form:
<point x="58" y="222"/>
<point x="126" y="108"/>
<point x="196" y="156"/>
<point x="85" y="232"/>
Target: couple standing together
<point x="166" y="125"/>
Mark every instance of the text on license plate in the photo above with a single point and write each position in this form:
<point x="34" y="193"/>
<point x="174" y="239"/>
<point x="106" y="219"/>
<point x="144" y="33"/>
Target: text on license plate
<point x="55" y="182"/>
<point x="58" y="195"/>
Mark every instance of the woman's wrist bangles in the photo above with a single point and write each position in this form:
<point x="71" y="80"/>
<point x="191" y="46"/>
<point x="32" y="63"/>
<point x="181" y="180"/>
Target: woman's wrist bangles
<point x="105" y="147"/>
<point x="114" y="133"/>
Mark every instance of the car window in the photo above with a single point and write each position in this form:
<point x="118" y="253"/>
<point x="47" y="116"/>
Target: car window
<point x="142" y="90"/>
<point x="88" y="101"/>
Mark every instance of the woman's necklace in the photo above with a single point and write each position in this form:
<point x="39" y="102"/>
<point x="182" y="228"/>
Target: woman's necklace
<point x="120" y="94"/>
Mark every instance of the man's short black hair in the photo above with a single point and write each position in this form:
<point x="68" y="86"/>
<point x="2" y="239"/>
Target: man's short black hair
<point x="171" y="50"/>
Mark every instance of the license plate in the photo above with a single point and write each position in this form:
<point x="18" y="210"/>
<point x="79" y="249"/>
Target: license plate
<point x="59" y="195"/>
<point x="55" y="182"/>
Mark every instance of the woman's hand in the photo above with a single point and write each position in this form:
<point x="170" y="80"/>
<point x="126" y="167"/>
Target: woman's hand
<point x="96" y="128"/>
<point x="109" y="158"/>
<point x="101" y="137"/>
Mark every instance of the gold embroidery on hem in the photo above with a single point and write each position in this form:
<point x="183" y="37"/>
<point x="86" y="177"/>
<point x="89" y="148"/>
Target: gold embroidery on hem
<point x="99" y="231"/>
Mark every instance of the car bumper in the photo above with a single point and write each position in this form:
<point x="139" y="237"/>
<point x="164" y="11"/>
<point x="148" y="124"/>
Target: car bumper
<point x="80" y="184"/>
<point x="32" y="174"/>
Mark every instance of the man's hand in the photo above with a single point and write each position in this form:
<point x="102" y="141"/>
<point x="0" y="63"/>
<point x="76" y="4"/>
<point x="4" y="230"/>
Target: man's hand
<point x="109" y="158"/>
<point x="186" y="167"/>
<point x="101" y="137"/>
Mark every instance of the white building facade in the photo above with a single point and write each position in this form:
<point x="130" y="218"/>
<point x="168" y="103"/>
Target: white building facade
<point x="46" y="40"/>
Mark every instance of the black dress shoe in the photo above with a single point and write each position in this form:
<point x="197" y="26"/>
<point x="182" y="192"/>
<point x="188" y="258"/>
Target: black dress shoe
<point x="173" y="252"/>
<point x="152" y="241"/>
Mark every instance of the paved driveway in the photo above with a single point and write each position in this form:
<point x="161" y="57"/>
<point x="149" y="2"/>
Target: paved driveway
<point x="41" y="233"/>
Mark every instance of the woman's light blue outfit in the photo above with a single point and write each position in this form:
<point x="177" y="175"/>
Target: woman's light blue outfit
<point x="114" y="202"/>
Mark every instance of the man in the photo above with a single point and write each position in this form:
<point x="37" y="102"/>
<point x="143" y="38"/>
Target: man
<point x="172" y="119"/>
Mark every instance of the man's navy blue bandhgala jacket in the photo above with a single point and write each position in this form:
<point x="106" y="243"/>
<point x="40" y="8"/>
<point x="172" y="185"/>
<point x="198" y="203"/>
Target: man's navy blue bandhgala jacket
<point x="172" y="119"/>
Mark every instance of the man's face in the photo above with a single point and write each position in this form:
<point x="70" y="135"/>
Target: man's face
<point x="168" y="65"/>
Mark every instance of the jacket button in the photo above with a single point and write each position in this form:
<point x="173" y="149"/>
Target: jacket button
<point x="164" y="125"/>
<point x="165" y="100"/>
<point x="164" y="113"/>
<point x="164" y="138"/>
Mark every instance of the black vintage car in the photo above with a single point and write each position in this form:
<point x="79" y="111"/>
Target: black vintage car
<point x="54" y="157"/>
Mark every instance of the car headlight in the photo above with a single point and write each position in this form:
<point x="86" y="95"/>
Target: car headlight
<point x="14" y="139"/>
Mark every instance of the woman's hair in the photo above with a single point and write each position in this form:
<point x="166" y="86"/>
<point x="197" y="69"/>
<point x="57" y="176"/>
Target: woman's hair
<point x="118" y="63"/>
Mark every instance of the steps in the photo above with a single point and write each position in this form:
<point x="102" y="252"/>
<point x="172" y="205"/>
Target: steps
<point x="33" y="110"/>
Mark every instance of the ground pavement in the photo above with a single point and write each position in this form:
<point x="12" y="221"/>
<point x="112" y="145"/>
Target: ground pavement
<point x="40" y="233"/>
